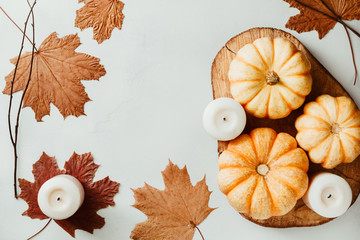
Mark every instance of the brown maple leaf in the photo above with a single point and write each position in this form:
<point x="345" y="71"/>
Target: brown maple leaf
<point x="175" y="212"/>
<point x="56" y="75"/>
<point x="102" y="15"/>
<point x="98" y="194"/>
<point x="308" y="19"/>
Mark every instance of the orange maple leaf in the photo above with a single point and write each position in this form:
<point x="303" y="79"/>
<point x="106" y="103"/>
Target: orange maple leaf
<point x="175" y="212"/>
<point x="102" y="15"/>
<point x="98" y="194"/>
<point x="56" y="75"/>
<point x="308" y="19"/>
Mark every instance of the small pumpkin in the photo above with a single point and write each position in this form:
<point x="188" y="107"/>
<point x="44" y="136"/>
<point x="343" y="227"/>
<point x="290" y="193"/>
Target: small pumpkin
<point x="263" y="174"/>
<point x="329" y="130"/>
<point x="270" y="77"/>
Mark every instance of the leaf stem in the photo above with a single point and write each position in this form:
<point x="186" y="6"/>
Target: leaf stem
<point x="199" y="232"/>
<point x="40" y="230"/>
<point x="12" y="138"/>
<point x="16" y="25"/>
<point x="352" y="54"/>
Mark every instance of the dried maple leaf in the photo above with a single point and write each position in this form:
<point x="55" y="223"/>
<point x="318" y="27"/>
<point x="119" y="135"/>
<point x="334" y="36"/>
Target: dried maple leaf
<point x="102" y="15"/>
<point x="175" y="212"/>
<point x="98" y="194"/>
<point x="309" y="19"/>
<point x="57" y="71"/>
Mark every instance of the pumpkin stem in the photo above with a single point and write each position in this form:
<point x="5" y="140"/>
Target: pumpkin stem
<point x="262" y="169"/>
<point x="335" y="128"/>
<point x="272" y="78"/>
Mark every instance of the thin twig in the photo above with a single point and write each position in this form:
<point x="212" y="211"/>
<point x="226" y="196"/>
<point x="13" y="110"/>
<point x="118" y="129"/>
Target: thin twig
<point x="25" y="90"/>
<point x="352" y="54"/>
<point x="28" y="82"/>
<point x="16" y="26"/>
<point x="14" y="140"/>
<point x="336" y="18"/>
<point x="200" y="232"/>
<point x="40" y="230"/>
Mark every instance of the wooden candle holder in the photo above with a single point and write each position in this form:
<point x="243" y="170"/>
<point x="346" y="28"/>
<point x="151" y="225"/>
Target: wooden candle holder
<point x="323" y="83"/>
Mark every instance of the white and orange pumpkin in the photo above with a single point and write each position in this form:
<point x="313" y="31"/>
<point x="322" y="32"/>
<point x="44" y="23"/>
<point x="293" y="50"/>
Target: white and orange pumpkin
<point x="329" y="130"/>
<point x="270" y="77"/>
<point x="263" y="174"/>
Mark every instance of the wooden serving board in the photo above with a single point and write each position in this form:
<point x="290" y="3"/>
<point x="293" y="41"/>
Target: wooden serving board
<point x="323" y="83"/>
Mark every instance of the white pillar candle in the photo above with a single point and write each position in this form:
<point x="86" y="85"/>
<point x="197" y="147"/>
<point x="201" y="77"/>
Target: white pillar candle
<point x="60" y="197"/>
<point x="328" y="195"/>
<point x="224" y="119"/>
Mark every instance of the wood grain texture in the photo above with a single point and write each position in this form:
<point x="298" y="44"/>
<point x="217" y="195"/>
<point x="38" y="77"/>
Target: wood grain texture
<point x="323" y="83"/>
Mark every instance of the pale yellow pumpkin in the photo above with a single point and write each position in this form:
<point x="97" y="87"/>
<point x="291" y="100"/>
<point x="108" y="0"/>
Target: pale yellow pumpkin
<point x="270" y="77"/>
<point x="329" y="130"/>
<point x="263" y="174"/>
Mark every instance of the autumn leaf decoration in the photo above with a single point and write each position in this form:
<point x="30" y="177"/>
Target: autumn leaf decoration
<point x="98" y="194"/>
<point x="322" y="15"/>
<point x="173" y="213"/>
<point x="102" y="15"/>
<point x="56" y="75"/>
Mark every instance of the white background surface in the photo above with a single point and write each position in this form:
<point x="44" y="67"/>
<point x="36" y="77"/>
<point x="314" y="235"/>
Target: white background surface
<point x="148" y="108"/>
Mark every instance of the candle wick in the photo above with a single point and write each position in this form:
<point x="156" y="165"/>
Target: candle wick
<point x="58" y="199"/>
<point x="224" y="118"/>
<point x="329" y="196"/>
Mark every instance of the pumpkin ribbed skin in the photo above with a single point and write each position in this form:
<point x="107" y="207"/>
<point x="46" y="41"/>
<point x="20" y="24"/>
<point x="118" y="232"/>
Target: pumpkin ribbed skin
<point x="329" y="130"/>
<point x="270" y="77"/>
<point x="263" y="174"/>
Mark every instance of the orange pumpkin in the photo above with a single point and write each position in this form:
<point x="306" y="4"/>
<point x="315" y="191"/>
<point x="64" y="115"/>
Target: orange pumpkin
<point x="270" y="77"/>
<point x="330" y="130"/>
<point x="263" y="174"/>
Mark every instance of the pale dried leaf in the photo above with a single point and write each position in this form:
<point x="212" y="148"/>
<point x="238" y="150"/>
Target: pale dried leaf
<point x="174" y="212"/>
<point x="102" y="15"/>
<point x="57" y="71"/>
